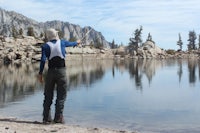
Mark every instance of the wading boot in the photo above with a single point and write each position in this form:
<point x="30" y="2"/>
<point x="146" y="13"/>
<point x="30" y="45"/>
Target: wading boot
<point x="59" y="119"/>
<point x="47" y="119"/>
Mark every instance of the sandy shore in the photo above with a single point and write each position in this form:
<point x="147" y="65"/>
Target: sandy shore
<point x="13" y="125"/>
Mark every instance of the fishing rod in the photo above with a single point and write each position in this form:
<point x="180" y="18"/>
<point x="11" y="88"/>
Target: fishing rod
<point x="91" y="29"/>
<point x="87" y="33"/>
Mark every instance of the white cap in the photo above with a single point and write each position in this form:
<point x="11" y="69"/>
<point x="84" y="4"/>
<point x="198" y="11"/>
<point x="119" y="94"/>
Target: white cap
<point x="52" y="34"/>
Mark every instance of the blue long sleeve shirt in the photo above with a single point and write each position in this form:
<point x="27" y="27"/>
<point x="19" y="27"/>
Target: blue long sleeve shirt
<point x="46" y="51"/>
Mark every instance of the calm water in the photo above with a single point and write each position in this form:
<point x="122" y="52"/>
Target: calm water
<point x="143" y="95"/>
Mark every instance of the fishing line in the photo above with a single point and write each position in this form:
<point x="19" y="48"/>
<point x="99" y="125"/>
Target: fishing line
<point x="91" y="29"/>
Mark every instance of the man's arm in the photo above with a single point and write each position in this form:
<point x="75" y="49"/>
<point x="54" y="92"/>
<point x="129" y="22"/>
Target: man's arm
<point x="43" y="60"/>
<point x="71" y="44"/>
<point x="42" y="64"/>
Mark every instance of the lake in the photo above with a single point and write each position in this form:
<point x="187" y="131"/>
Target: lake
<point x="138" y="95"/>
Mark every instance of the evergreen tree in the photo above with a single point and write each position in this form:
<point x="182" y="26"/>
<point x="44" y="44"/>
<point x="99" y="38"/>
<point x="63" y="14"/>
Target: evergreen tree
<point x="136" y="40"/>
<point x="192" y="38"/>
<point x="199" y="42"/>
<point x="179" y="42"/>
<point x="149" y="38"/>
<point x="113" y="44"/>
<point x="21" y="31"/>
<point x="14" y="32"/>
<point x="30" y="32"/>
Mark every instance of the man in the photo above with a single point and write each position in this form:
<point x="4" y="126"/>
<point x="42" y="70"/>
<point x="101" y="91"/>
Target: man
<point x="54" y="51"/>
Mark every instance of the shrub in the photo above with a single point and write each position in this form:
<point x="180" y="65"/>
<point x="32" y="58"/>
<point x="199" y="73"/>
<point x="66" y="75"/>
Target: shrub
<point x="171" y="51"/>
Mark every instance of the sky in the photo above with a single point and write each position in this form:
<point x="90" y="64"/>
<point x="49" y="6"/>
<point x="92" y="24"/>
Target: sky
<point x="118" y="19"/>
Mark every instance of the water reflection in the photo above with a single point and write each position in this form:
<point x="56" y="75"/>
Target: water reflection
<point x="89" y="72"/>
<point x="84" y="73"/>
<point x="17" y="81"/>
<point x="180" y="70"/>
<point x="192" y="65"/>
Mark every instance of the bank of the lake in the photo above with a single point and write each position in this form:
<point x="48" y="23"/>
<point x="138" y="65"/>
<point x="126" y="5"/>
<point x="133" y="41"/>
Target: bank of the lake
<point x="27" y="49"/>
<point x="13" y="125"/>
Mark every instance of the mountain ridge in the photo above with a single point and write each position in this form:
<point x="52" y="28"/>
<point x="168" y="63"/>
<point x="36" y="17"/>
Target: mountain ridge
<point x="10" y="19"/>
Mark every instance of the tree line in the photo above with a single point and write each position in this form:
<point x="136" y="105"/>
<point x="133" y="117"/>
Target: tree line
<point x="192" y="45"/>
<point x="136" y="40"/>
<point x="20" y="32"/>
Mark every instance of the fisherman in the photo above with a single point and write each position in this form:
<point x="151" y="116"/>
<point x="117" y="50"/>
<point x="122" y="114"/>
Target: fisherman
<point x="54" y="51"/>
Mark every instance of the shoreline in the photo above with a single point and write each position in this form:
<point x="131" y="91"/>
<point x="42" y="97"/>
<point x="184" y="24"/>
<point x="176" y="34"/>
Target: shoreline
<point x="14" y="125"/>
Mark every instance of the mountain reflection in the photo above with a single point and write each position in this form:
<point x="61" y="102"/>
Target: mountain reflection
<point x="18" y="81"/>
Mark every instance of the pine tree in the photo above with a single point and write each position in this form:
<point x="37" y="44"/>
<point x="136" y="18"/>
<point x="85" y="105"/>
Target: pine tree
<point x="113" y="44"/>
<point x="30" y="32"/>
<point x="136" y="40"/>
<point x="14" y="32"/>
<point x="21" y="31"/>
<point x="149" y="38"/>
<point x="192" y="38"/>
<point x="199" y="42"/>
<point x="179" y="42"/>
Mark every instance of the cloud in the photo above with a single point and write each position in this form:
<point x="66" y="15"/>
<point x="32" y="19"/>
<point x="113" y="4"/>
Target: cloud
<point x="163" y="18"/>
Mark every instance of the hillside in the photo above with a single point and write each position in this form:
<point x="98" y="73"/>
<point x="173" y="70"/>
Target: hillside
<point x="11" y="20"/>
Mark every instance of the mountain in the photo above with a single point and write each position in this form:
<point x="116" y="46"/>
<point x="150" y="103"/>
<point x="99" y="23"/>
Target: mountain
<point x="10" y="20"/>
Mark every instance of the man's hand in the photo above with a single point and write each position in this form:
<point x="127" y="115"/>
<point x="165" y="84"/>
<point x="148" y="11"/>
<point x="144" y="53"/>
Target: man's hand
<point x="79" y="42"/>
<point x="40" y="78"/>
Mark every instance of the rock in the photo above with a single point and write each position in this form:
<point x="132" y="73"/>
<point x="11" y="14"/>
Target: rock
<point x="18" y="55"/>
<point x="10" y="50"/>
<point x="7" y="59"/>
<point x="150" y="50"/>
<point x="36" y="57"/>
<point x="80" y="50"/>
<point x="102" y="51"/>
<point x="121" y="51"/>
<point x="9" y="40"/>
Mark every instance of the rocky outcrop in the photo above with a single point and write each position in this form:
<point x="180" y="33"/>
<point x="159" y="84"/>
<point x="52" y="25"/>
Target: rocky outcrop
<point x="150" y="50"/>
<point x="12" y="21"/>
<point x="28" y="49"/>
<point x="20" y="50"/>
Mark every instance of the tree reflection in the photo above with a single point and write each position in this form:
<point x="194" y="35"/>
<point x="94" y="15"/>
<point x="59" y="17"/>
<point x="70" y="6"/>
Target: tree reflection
<point x="135" y="73"/>
<point x="19" y="80"/>
<point x="180" y="70"/>
<point x="192" y="67"/>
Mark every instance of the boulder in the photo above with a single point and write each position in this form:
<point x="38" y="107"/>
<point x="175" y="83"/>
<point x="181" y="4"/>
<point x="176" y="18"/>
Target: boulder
<point x="121" y="51"/>
<point x="150" y="50"/>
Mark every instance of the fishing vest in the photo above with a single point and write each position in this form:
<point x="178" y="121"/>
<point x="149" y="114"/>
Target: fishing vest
<point x="56" y="58"/>
<point x="55" y="49"/>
